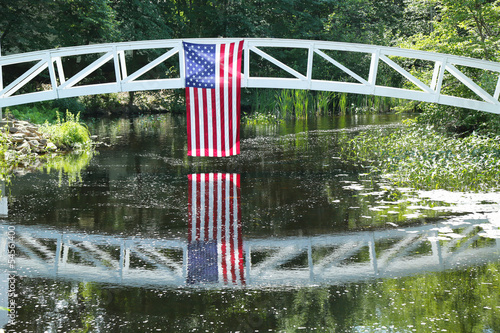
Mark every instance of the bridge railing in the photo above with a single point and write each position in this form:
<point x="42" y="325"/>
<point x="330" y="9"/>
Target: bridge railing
<point x="446" y="68"/>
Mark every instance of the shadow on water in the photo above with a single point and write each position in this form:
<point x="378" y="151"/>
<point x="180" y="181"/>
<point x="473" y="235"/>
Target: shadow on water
<point x="285" y="237"/>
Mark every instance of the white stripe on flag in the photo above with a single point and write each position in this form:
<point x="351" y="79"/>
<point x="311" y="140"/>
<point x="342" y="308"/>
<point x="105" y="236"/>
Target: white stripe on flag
<point x="217" y="102"/>
<point x="192" y="115"/>
<point x="210" y="124"/>
<point x="226" y="100"/>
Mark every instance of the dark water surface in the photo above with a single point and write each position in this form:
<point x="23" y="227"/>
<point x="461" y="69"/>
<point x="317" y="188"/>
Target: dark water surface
<point x="286" y="237"/>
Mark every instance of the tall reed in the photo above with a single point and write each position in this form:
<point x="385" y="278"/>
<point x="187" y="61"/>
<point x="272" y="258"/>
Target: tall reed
<point x="291" y="104"/>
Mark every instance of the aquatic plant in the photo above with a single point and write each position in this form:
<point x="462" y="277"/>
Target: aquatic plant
<point x="343" y="103"/>
<point x="260" y="118"/>
<point x="69" y="132"/>
<point x="4" y="165"/>
<point x="423" y="158"/>
<point x="297" y="104"/>
<point x="324" y="100"/>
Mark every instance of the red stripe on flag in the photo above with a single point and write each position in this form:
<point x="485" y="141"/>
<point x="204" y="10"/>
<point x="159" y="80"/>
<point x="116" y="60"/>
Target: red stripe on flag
<point x="238" y="94"/>
<point x="222" y="104"/>
<point x="188" y="111"/>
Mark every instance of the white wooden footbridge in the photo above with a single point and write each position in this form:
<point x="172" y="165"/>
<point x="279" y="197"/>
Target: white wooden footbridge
<point x="24" y="87"/>
<point x="269" y="262"/>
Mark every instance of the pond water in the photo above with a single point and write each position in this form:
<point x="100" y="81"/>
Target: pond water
<point x="286" y="237"/>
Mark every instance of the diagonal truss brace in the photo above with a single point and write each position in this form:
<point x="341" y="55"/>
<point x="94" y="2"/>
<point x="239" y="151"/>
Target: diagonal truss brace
<point x="278" y="63"/>
<point x="342" y="67"/>
<point x="23" y="79"/>
<point x="149" y="66"/>
<point x="87" y="70"/>
<point x="406" y="74"/>
<point x="472" y="85"/>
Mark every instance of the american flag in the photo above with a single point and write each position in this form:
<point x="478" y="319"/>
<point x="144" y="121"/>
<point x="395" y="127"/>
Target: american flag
<point x="213" y="84"/>
<point x="215" y="243"/>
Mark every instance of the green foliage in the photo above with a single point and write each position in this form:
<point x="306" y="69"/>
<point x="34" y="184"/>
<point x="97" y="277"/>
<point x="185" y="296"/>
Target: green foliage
<point x="84" y="22"/>
<point x="422" y="158"/>
<point x="37" y="114"/>
<point x="75" y="104"/>
<point x="68" y="132"/>
<point x="465" y="28"/>
<point x="260" y="118"/>
<point x="102" y="101"/>
<point x="4" y="165"/>
<point x="364" y="21"/>
<point x="143" y="20"/>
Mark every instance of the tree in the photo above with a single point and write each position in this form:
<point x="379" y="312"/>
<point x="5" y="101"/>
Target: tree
<point x="81" y="22"/>
<point x="143" y="20"/>
<point x="466" y="28"/>
<point x="23" y="25"/>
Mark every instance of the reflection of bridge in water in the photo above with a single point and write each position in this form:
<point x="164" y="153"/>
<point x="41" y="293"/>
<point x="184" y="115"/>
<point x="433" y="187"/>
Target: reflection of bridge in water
<point x="214" y="252"/>
<point x="326" y="259"/>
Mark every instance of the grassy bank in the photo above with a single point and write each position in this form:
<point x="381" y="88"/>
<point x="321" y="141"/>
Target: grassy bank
<point x="25" y="147"/>
<point x="423" y="158"/>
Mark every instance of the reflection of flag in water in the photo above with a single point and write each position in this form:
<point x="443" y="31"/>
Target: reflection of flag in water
<point x="215" y="250"/>
<point x="213" y="84"/>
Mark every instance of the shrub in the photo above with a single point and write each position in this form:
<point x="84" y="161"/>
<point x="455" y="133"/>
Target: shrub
<point x="68" y="132"/>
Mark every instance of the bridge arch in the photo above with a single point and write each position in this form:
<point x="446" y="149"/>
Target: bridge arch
<point x="63" y="85"/>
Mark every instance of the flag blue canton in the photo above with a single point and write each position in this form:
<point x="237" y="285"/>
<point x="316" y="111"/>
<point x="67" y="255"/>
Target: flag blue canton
<point x="200" y="65"/>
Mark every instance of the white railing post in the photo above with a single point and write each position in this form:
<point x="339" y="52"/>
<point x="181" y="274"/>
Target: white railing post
<point x="372" y="77"/>
<point x="247" y="249"/>
<point x="436" y="249"/>
<point x="52" y="74"/>
<point x="182" y="69"/>
<point x="118" y="72"/>
<point x="57" y="257"/>
<point x="4" y="206"/>
<point x="246" y="64"/>
<point x="436" y="85"/>
<point x="310" y="57"/>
